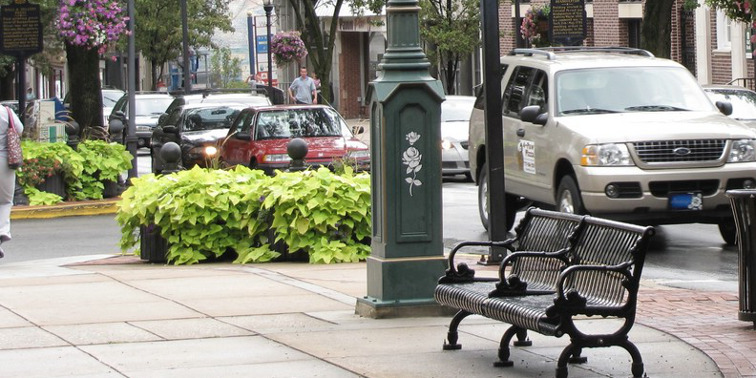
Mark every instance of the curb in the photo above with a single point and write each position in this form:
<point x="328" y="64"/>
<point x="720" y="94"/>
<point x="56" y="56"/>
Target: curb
<point x="65" y="209"/>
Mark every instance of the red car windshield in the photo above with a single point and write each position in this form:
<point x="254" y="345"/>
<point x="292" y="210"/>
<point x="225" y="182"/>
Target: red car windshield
<point x="299" y="123"/>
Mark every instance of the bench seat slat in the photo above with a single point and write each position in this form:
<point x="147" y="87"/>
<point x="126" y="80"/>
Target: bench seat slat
<point x="527" y="311"/>
<point x="464" y="296"/>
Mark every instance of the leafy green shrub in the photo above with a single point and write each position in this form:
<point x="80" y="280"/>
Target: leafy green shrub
<point x="62" y="158"/>
<point x="102" y="161"/>
<point x="83" y="169"/>
<point x="205" y="213"/>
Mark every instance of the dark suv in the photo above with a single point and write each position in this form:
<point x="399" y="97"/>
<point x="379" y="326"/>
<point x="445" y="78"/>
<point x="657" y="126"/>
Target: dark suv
<point x="160" y="137"/>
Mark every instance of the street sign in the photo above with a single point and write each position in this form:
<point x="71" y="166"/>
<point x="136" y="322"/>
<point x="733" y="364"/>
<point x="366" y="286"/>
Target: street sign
<point x="20" y="29"/>
<point x="262" y="44"/>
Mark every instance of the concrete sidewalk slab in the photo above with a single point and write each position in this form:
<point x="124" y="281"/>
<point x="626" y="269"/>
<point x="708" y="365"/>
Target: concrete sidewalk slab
<point x="273" y="320"/>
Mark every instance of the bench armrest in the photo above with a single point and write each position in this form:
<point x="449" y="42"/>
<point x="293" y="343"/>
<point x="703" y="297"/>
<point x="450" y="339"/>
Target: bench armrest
<point x="512" y="285"/>
<point x="463" y="273"/>
<point x="618" y="286"/>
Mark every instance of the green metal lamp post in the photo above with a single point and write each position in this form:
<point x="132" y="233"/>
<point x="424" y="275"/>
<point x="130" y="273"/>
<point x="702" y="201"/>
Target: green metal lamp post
<point x="405" y="112"/>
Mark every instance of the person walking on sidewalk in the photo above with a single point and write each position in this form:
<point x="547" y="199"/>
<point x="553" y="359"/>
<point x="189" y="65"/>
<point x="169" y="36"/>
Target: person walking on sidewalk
<point x="302" y="90"/>
<point x="7" y="175"/>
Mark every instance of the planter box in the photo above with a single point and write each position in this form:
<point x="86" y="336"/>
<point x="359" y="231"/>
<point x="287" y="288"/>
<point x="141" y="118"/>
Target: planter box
<point x="54" y="184"/>
<point x="111" y="189"/>
<point x="153" y="247"/>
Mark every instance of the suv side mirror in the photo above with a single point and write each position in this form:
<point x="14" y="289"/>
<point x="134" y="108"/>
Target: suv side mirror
<point x="243" y="136"/>
<point x="170" y="129"/>
<point x="725" y="107"/>
<point x="533" y="114"/>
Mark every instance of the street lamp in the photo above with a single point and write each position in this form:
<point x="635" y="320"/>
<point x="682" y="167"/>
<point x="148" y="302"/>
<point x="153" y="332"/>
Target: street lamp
<point x="251" y="41"/>
<point x="268" y="7"/>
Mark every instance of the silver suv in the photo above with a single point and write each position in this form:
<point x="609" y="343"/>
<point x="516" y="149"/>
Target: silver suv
<point x="614" y="132"/>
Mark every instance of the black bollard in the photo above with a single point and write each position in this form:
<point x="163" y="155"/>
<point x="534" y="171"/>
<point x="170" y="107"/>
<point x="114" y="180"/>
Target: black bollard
<point x="171" y="155"/>
<point x="72" y="130"/>
<point x="297" y="150"/>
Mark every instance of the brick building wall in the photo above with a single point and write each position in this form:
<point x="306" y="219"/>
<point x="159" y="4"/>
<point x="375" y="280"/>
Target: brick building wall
<point x="606" y="19"/>
<point x="349" y="75"/>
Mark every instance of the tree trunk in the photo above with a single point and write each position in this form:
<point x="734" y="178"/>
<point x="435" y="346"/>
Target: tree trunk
<point x="451" y="74"/>
<point x="86" y="94"/>
<point x="656" y="27"/>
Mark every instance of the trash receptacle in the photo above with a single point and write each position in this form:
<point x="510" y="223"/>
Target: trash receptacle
<point x="744" y="210"/>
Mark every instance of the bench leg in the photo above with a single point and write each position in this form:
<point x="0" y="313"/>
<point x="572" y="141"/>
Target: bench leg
<point x="522" y="340"/>
<point x="570" y="352"/>
<point x="451" y="337"/>
<point x="637" y="367"/>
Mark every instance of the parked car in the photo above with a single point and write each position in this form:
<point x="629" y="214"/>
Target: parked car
<point x="206" y="97"/>
<point x="149" y="107"/>
<point x="110" y="97"/>
<point x="614" y="132"/>
<point x="455" y="119"/>
<point x="257" y="97"/>
<point x="197" y="129"/>
<point x="259" y="137"/>
<point x="743" y="101"/>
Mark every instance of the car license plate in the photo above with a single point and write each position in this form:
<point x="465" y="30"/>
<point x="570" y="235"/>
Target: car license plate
<point x="686" y="201"/>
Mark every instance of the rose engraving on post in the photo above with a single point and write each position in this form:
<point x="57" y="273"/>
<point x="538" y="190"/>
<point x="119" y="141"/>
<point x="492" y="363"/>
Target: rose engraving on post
<point x="412" y="158"/>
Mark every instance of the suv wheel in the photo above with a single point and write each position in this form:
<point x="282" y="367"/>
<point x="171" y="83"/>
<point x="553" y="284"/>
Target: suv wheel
<point x="512" y="204"/>
<point x="483" y="195"/>
<point x="568" y="197"/>
<point x="728" y="231"/>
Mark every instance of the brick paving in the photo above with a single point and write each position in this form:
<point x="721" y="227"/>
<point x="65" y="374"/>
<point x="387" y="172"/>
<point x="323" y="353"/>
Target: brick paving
<point x="705" y="320"/>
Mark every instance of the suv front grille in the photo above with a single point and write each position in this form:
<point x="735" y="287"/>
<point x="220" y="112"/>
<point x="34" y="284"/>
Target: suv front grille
<point x="680" y="150"/>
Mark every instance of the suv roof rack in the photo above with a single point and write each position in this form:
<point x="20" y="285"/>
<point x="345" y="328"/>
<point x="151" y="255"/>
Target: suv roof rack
<point x="549" y="52"/>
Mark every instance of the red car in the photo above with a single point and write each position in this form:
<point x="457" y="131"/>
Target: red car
<point x="259" y="135"/>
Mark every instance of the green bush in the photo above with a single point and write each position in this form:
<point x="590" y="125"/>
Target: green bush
<point x="205" y="213"/>
<point x="83" y="170"/>
<point x="103" y="161"/>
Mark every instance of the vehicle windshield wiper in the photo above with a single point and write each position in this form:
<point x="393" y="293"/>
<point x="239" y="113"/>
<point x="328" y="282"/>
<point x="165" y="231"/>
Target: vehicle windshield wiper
<point x="655" y="108"/>
<point x="588" y="111"/>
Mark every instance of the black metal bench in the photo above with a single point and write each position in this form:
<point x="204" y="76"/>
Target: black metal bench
<point x="561" y="266"/>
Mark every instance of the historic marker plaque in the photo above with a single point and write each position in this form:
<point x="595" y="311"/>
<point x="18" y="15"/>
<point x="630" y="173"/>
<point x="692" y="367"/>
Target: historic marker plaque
<point x="20" y="29"/>
<point x="567" y="22"/>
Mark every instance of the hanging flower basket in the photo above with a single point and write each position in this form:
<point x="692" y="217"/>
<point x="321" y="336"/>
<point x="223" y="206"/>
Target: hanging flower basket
<point x="535" y="26"/>
<point x="287" y="47"/>
<point x="91" y="24"/>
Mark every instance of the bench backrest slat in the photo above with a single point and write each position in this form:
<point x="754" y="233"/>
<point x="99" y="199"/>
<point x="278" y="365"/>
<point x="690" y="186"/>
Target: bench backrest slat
<point x="543" y="231"/>
<point x="604" y="242"/>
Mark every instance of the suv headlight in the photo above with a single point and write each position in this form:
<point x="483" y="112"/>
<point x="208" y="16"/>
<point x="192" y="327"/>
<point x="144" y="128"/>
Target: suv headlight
<point x="742" y="150"/>
<point x="611" y="154"/>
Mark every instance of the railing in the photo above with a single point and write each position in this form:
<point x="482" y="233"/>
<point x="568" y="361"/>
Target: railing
<point x="747" y="82"/>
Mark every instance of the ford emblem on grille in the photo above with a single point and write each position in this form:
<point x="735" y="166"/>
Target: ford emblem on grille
<point x="681" y="151"/>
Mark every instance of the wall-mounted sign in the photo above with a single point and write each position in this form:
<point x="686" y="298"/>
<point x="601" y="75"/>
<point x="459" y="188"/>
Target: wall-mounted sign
<point x="567" y="22"/>
<point x="20" y="29"/>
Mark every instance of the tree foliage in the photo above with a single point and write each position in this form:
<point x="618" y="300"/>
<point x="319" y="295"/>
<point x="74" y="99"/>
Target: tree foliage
<point x="451" y="29"/>
<point x="158" y="30"/>
<point x="736" y="10"/>
<point x="224" y="68"/>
